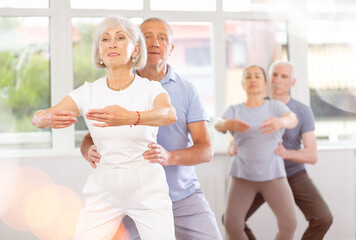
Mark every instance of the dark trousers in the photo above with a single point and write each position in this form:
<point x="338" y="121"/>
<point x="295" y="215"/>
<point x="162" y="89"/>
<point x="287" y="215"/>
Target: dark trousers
<point x="309" y="201"/>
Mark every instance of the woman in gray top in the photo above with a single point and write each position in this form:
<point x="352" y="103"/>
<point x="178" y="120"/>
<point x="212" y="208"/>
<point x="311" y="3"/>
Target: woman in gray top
<point x="257" y="127"/>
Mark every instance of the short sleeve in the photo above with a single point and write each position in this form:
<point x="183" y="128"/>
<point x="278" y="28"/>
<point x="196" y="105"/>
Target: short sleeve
<point x="229" y="113"/>
<point x="154" y="88"/>
<point x="307" y="121"/>
<point x="196" y="111"/>
<point x="81" y="97"/>
<point x="280" y="108"/>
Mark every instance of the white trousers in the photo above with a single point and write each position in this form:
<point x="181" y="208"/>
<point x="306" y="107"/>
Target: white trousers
<point x="141" y="194"/>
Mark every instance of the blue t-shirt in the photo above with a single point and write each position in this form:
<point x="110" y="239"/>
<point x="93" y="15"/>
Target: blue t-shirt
<point x="182" y="180"/>
<point x="292" y="138"/>
<point x="256" y="160"/>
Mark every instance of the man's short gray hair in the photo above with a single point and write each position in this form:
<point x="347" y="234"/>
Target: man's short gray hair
<point x="156" y="19"/>
<point x="133" y="33"/>
<point x="282" y="63"/>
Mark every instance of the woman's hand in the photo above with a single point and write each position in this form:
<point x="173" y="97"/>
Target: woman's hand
<point x="271" y="125"/>
<point x="288" y="121"/>
<point x="54" y="119"/>
<point x="234" y="125"/>
<point x="93" y="157"/>
<point x="232" y="148"/>
<point x="237" y="125"/>
<point x="113" y="115"/>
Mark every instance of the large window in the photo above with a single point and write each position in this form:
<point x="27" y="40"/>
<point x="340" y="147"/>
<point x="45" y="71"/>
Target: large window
<point x="331" y="60"/>
<point x="251" y="42"/>
<point x="191" y="58"/>
<point x="45" y="52"/>
<point x="24" y="80"/>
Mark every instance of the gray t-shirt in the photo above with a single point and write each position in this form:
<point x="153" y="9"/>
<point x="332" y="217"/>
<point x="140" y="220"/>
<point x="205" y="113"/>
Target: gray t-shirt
<point x="256" y="160"/>
<point x="292" y="138"/>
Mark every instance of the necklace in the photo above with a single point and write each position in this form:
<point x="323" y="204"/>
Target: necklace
<point x="121" y="88"/>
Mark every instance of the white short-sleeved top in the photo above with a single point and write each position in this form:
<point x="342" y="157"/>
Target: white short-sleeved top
<point x="120" y="147"/>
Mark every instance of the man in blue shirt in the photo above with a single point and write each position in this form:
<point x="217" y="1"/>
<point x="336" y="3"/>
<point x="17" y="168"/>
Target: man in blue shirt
<point x="175" y="150"/>
<point x="306" y="195"/>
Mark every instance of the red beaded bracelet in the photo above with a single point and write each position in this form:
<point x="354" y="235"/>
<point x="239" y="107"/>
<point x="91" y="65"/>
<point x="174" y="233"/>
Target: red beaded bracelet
<point x="138" y="120"/>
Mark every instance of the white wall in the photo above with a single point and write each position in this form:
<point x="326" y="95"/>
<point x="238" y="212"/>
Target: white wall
<point x="333" y="174"/>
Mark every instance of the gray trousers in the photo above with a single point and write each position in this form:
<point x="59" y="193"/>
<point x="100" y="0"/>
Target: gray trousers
<point x="279" y="197"/>
<point x="193" y="220"/>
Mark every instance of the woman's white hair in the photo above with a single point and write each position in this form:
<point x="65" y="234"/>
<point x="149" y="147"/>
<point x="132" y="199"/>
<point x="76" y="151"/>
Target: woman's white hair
<point x="133" y="33"/>
<point x="282" y="63"/>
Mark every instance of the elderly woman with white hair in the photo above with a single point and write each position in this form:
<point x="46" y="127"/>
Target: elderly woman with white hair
<point x="122" y="112"/>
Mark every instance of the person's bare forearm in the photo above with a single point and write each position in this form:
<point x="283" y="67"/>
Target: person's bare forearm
<point x="221" y="125"/>
<point x="157" y="117"/>
<point x="62" y="115"/>
<point x="162" y="114"/>
<point x="196" y="154"/>
<point x="289" y="121"/>
<point x="303" y="155"/>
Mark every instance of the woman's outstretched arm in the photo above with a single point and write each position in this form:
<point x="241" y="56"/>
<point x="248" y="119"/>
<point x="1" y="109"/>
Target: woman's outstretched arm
<point x="62" y="115"/>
